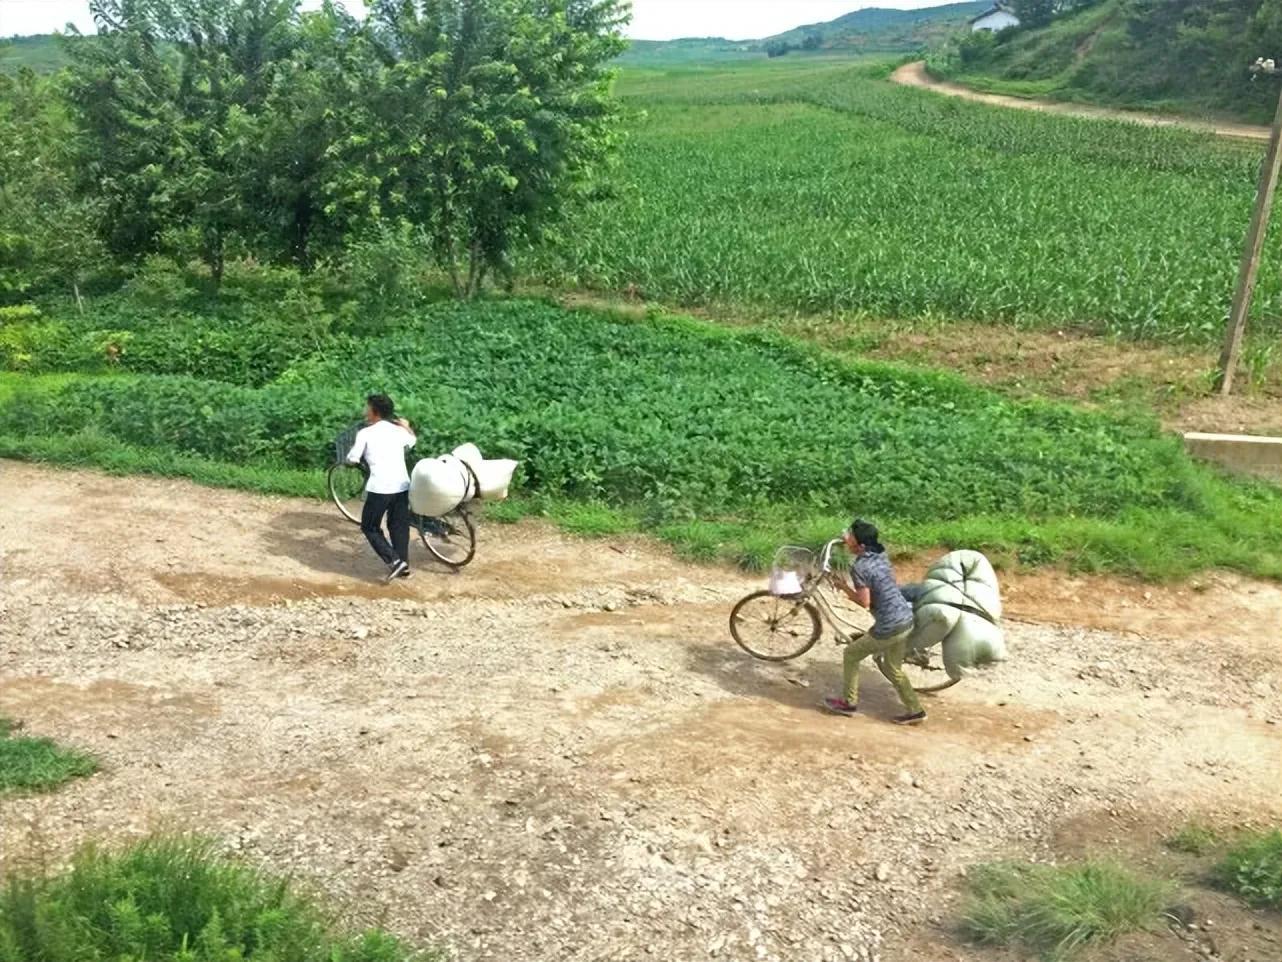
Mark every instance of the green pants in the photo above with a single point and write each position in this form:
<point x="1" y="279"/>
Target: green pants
<point x="889" y="655"/>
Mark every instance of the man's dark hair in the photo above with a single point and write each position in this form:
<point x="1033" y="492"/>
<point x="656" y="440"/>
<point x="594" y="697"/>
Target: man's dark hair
<point x="867" y="535"/>
<point x="381" y="405"/>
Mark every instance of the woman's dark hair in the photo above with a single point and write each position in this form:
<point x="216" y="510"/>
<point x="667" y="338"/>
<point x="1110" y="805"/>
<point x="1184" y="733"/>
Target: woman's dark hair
<point x="381" y="405"/>
<point x="867" y="535"/>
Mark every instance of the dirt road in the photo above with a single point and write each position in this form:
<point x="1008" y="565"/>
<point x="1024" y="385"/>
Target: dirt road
<point x="915" y="75"/>
<point x="558" y="755"/>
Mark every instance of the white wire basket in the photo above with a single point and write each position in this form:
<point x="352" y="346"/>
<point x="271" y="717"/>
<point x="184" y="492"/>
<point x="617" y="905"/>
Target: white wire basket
<point x="792" y="568"/>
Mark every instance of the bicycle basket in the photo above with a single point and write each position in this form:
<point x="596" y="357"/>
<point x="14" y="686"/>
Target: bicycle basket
<point x="792" y="568"/>
<point x="343" y="443"/>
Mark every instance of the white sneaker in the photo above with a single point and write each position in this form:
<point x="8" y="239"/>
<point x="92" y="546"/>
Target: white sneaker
<point x="395" y="571"/>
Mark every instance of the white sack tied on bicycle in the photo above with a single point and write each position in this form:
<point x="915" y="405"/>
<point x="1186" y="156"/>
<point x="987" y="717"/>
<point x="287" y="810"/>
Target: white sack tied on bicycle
<point x="439" y="485"/>
<point x="958" y="605"/>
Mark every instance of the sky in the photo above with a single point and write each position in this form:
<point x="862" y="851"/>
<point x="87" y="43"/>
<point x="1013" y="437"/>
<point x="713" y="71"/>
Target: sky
<point x="651" y="19"/>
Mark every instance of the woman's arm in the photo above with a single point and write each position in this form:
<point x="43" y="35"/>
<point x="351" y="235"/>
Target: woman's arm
<point x="860" y="596"/>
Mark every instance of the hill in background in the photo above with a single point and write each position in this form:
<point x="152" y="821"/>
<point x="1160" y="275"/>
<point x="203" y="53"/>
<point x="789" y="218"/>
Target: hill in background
<point x="1186" y="55"/>
<point x="874" y="30"/>
<point x="43" y="53"/>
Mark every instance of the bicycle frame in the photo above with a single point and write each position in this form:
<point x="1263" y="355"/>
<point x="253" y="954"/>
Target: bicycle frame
<point x="846" y="631"/>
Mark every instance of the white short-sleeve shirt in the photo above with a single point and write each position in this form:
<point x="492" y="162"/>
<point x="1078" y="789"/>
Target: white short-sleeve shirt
<point x="383" y="445"/>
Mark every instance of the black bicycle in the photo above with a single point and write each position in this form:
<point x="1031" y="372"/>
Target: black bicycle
<point x="450" y="539"/>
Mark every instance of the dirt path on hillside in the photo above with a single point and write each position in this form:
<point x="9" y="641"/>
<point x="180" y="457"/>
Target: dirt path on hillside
<point x="558" y="754"/>
<point x="915" y="75"/>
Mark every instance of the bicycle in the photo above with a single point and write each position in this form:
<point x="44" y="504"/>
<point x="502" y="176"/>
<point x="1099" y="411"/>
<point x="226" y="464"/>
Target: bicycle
<point x="450" y="539"/>
<point x="794" y="610"/>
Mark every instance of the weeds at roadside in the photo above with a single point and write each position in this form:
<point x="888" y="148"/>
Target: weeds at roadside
<point x="176" y="899"/>
<point x="37" y="764"/>
<point x="1252" y="869"/>
<point x="1055" y="911"/>
<point x="1194" y="839"/>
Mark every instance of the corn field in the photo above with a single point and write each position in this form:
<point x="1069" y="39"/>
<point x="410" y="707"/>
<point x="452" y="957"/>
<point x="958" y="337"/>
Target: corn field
<point x="824" y="189"/>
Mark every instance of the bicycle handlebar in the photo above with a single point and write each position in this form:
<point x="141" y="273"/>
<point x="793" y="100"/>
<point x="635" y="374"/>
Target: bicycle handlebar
<point x="825" y="559"/>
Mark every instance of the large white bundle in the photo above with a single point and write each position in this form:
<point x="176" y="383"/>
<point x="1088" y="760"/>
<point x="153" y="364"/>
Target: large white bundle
<point x="494" y="478"/>
<point x="438" y="486"/>
<point x="465" y="472"/>
<point x="469" y="454"/>
<point x="959" y="606"/>
<point x="965" y="579"/>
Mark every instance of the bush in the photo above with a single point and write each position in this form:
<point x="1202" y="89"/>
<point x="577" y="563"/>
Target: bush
<point x="1252" y="869"/>
<point x="159" y="282"/>
<point x="1057" y="910"/>
<point x="174" y="900"/>
<point x="1194" y="839"/>
<point x="674" y="422"/>
<point x="548" y="388"/>
<point x="37" y="764"/>
<point x="383" y="270"/>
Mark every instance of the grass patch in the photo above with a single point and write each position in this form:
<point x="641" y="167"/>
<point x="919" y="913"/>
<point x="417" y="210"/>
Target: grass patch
<point x="1252" y="869"/>
<point x="175" y="899"/>
<point x="1054" y="911"/>
<point x="1194" y="839"/>
<point x="37" y="764"/>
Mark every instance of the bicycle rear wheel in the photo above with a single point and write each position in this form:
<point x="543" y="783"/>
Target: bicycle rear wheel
<point x="450" y="539"/>
<point x="773" y="628"/>
<point x="925" y="676"/>
<point x="346" y="484"/>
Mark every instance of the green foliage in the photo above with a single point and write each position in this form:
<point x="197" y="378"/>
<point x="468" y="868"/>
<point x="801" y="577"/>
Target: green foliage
<point x="383" y="270"/>
<point x="1191" y="55"/>
<point x="817" y="187"/>
<point x="486" y="115"/>
<point x="1252" y="869"/>
<point x="1056" y="911"/>
<point x="175" y="900"/>
<point x="48" y="232"/>
<point x="37" y="764"/>
<point x="722" y="442"/>
<point x="217" y="129"/>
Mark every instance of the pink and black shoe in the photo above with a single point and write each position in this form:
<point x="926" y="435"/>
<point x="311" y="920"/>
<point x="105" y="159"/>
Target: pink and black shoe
<point x="839" y="706"/>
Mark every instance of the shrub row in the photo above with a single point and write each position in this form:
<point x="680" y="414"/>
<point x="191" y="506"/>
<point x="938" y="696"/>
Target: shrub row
<point x="690" y="419"/>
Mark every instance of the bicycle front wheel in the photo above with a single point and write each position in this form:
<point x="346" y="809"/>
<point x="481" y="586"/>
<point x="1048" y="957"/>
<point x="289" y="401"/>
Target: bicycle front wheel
<point x="450" y="539"/>
<point x="773" y="628"/>
<point x="346" y="484"/>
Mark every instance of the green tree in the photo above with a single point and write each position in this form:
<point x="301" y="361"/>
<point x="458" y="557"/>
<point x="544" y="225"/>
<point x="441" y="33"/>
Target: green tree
<point x="478" y="121"/>
<point x="48" y="234"/>
<point x="168" y="98"/>
<point x="1034" y="13"/>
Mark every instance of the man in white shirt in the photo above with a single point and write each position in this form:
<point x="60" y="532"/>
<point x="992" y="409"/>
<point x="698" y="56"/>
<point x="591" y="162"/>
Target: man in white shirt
<point x="382" y="445"/>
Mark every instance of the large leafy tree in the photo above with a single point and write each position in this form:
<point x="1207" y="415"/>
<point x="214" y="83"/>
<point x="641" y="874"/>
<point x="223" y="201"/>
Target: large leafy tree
<point x="210" y="126"/>
<point x="169" y="97"/>
<point x="480" y="119"/>
<point x="48" y="233"/>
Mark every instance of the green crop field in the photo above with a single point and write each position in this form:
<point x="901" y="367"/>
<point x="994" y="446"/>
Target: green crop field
<point x="820" y="187"/>
<point x="726" y="443"/>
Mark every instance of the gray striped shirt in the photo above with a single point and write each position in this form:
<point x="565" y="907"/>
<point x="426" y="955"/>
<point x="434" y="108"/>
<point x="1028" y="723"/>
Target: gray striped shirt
<point x="891" y="612"/>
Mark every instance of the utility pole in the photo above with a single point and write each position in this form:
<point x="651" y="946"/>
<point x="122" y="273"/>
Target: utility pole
<point x="1236" y="330"/>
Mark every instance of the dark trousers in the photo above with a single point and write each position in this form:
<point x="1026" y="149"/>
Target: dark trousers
<point x="397" y="509"/>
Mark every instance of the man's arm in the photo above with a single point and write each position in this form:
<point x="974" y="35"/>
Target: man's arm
<point x="358" y="448"/>
<point x="404" y="425"/>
